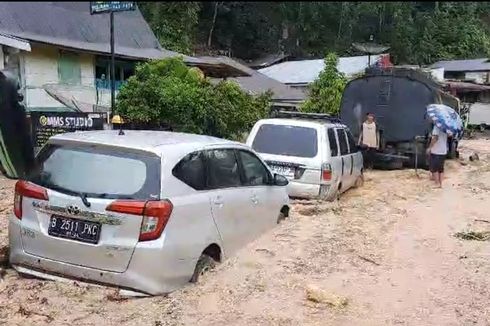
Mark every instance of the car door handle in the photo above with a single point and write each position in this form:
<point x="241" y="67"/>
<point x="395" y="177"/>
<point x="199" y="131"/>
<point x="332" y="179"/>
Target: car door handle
<point x="254" y="199"/>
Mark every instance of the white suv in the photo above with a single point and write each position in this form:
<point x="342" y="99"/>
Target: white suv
<point x="146" y="211"/>
<point x="314" y="151"/>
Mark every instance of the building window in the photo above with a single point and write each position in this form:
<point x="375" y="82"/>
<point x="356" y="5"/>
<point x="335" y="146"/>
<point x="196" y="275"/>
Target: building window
<point x="69" y="71"/>
<point x="124" y="70"/>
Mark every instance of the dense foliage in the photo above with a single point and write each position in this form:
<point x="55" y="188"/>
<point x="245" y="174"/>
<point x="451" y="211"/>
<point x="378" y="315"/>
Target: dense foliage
<point x="169" y="93"/>
<point x="418" y="32"/>
<point x="326" y="91"/>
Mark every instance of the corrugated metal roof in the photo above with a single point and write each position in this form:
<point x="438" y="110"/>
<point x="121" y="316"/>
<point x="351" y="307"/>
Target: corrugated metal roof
<point x="463" y="65"/>
<point x="69" y="24"/>
<point x="306" y="71"/>
<point x="258" y="83"/>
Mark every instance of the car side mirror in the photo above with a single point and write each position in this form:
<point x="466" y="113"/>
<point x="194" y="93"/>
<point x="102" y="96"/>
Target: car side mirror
<point x="280" y="180"/>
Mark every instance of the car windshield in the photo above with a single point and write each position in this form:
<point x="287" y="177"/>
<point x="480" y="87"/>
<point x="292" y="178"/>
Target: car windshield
<point x="100" y="172"/>
<point x="286" y="140"/>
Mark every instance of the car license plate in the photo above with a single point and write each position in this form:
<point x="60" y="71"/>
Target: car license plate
<point x="74" y="229"/>
<point x="283" y="170"/>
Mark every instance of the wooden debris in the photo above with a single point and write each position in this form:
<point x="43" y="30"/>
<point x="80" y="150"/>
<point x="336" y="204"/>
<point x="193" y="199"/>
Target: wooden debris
<point x="472" y="235"/>
<point x="369" y="260"/>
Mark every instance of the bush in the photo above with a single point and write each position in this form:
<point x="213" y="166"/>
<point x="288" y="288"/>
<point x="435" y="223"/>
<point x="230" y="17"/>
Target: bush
<point x="325" y="93"/>
<point x="167" y="92"/>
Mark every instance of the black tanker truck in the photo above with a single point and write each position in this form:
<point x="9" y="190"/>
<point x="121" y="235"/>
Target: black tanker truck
<point x="398" y="97"/>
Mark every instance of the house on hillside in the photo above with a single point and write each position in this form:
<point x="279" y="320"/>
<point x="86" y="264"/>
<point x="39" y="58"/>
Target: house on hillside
<point x="476" y="70"/>
<point x="61" y="53"/>
<point x="283" y="96"/>
<point x="299" y="74"/>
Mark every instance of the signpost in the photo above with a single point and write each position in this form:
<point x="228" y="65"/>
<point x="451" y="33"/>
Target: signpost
<point x="101" y="7"/>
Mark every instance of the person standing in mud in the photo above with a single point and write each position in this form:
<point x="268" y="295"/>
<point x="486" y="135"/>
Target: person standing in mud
<point x="369" y="140"/>
<point x="437" y="151"/>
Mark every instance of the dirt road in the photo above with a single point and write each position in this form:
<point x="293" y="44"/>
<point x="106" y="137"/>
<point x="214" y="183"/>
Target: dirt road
<point x="386" y="254"/>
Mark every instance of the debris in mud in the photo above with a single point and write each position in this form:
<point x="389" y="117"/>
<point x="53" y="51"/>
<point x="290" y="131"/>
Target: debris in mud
<point x="310" y="211"/>
<point x="369" y="260"/>
<point x="317" y="295"/>
<point x="472" y="235"/>
<point x="315" y="210"/>
<point x="27" y="313"/>
<point x="116" y="296"/>
<point x="267" y="251"/>
<point x="484" y="221"/>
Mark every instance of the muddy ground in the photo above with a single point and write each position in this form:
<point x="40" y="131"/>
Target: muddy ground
<point x="385" y="254"/>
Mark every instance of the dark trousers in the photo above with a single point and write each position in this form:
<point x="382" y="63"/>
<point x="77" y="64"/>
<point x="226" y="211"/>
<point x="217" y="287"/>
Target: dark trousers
<point x="368" y="155"/>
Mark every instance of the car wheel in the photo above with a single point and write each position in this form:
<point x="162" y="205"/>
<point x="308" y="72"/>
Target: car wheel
<point x="204" y="264"/>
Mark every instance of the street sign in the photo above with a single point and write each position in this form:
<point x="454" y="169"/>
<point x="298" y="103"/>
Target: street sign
<point x="99" y="7"/>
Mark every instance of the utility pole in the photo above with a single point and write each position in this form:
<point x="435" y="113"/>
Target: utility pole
<point x="113" y="68"/>
<point x="100" y="7"/>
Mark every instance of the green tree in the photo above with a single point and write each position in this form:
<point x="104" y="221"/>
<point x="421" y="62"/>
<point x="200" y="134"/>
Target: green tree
<point x="326" y="91"/>
<point x="168" y="92"/>
<point x="417" y="32"/>
<point x="174" y="23"/>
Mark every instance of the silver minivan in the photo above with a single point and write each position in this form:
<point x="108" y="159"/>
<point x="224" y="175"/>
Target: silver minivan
<point x="315" y="152"/>
<point x="146" y="211"/>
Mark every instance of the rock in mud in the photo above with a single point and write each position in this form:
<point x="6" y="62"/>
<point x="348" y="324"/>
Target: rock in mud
<point x="474" y="157"/>
<point x="317" y="295"/>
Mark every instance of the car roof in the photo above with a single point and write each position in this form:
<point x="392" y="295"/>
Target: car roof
<point x="300" y="122"/>
<point x="148" y="140"/>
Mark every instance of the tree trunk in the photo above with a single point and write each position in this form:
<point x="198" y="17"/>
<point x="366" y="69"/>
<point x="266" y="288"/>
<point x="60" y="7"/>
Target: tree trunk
<point x="341" y="20"/>
<point x="210" y="37"/>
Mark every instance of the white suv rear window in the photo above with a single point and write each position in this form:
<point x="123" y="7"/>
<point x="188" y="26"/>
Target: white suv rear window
<point x="286" y="140"/>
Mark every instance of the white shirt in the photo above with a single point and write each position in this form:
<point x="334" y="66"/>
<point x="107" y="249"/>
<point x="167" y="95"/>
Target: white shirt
<point x="369" y="136"/>
<point x="440" y="147"/>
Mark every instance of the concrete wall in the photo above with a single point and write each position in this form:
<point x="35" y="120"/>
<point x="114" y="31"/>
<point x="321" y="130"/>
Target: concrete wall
<point x="479" y="114"/>
<point x="40" y="67"/>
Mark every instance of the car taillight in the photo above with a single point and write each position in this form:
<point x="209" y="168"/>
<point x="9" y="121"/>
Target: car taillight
<point x="27" y="189"/>
<point x="326" y="172"/>
<point x="155" y="215"/>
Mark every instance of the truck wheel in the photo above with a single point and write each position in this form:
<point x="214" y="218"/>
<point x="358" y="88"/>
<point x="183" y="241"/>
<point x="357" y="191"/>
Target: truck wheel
<point x="204" y="264"/>
<point x="393" y="165"/>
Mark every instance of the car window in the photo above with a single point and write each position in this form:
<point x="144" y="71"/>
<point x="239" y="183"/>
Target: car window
<point x="98" y="171"/>
<point x="352" y="143"/>
<point x="223" y="169"/>
<point x="191" y="171"/>
<point x="286" y="140"/>
<point x="344" y="150"/>
<point x="255" y="173"/>
<point x="332" y="140"/>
